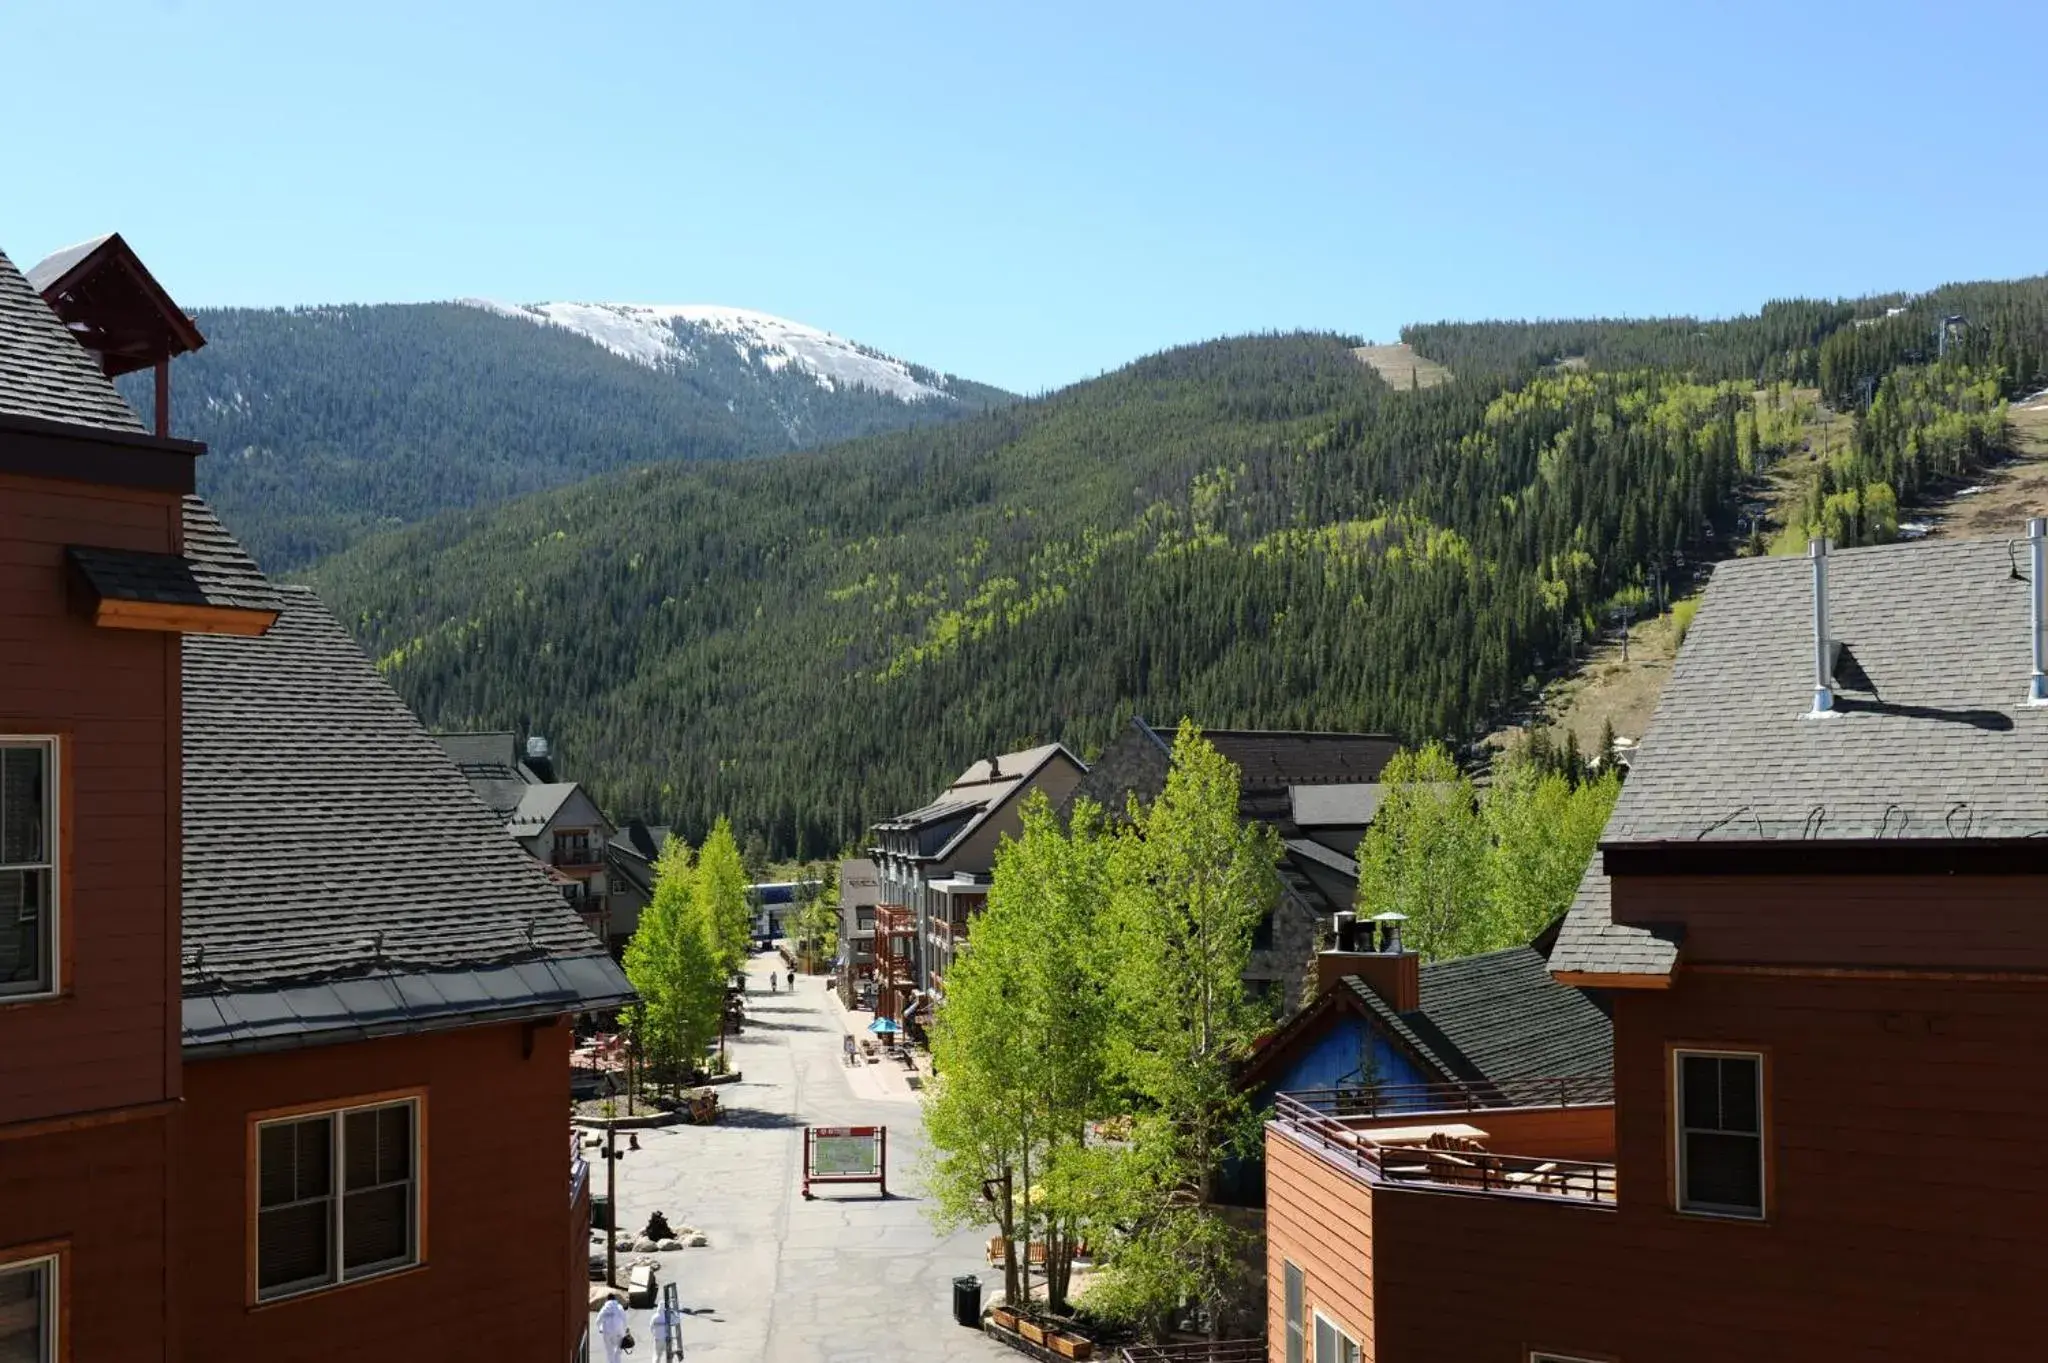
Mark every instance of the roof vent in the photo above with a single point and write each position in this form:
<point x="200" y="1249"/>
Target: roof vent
<point x="1823" y="650"/>
<point x="995" y="768"/>
<point x="2037" y="589"/>
<point x="537" y="746"/>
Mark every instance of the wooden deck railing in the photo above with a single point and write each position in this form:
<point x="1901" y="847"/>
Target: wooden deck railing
<point x="1383" y="1100"/>
<point x="1203" y="1351"/>
<point x="1340" y="1137"/>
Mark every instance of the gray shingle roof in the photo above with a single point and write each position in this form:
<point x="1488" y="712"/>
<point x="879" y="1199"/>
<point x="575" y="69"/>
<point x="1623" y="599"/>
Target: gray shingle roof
<point x="1932" y="736"/>
<point x="44" y="372"/>
<point x="223" y="568"/>
<point x="330" y="841"/>
<point x="213" y="570"/>
<point x="977" y="793"/>
<point x="1499" y="1016"/>
<point x="1590" y="942"/>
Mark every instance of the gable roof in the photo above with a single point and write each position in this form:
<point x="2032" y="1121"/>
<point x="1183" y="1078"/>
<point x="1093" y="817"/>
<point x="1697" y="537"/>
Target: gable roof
<point x="307" y="783"/>
<point x="538" y="805"/>
<point x="1490" y="1018"/>
<point x="977" y="793"/>
<point x="44" y="371"/>
<point x="108" y="299"/>
<point x="1932" y="736"/>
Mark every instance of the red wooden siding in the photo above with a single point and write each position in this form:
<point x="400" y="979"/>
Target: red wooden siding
<point x="494" y="1284"/>
<point x="1900" y="921"/>
<point x="101" y="1193"/>
<point x="112" y="695"/>
<point x="1320" y="1219"/>
<point x="1906" y="1178"/>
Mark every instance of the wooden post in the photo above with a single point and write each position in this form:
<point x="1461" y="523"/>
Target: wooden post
<point x="611" y="1205"/>
<point x="163" y="396"/>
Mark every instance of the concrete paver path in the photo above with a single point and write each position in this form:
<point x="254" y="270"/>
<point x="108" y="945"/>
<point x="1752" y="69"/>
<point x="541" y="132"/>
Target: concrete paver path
<point x="846" y="1278"/>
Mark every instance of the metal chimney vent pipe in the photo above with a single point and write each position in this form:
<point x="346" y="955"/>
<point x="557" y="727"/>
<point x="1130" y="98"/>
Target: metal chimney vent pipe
<point x="1390" y="931"/>
<point x="1823" y="651"/>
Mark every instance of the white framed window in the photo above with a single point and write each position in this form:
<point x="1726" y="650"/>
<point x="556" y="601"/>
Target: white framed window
<point x="1719" y="1123"/>
<point x="28" y="1311"/>
<point x="337" y="1196"/>
<point x="1332" y="1344"/>
<point x="29" y="846"/>
<point x="1291" y="1288"/>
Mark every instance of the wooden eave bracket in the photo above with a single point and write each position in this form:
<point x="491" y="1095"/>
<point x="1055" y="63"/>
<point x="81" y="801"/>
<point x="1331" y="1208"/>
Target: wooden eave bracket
<point x="177" y="618"/>
<point x="1603" y="979"/>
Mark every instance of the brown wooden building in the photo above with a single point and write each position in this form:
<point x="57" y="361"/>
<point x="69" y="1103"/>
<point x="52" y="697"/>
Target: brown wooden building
<point x="1816" y="917"/>
<point x="282" y="1054"/>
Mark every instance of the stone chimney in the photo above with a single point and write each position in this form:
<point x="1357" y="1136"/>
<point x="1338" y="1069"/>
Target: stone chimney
<point x="1387" y="968"/>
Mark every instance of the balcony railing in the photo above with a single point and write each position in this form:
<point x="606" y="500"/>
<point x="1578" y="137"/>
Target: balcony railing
<point x="1202" y="1351"/>
<point x="577" y="854"/>
<point x="1330" y="1122"/>
<point x="1379" y="1100"/>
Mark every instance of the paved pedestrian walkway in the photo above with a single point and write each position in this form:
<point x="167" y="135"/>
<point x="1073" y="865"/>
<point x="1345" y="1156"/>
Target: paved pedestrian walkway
<point x="846" y="1278"/>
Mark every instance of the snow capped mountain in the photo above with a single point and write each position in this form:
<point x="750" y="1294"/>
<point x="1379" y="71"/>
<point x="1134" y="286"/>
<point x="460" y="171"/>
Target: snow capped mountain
<point x="664" y="336"/>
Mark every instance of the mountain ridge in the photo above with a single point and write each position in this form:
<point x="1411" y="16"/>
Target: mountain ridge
<point x="331" y="423"/>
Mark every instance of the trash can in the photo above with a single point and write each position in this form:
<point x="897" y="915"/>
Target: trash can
<point x="967" y="1301"/>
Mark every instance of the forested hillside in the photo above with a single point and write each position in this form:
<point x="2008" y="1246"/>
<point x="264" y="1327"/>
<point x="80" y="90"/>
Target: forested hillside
<point x="1248" y="532"/>
<point x="326" y="424"/>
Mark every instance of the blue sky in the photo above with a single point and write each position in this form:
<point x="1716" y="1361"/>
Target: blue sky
<point x="1030" y="194"/>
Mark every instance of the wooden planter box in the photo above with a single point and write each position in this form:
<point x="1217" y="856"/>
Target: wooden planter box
<point x="1070" y="1346"/>
<point x="1004" y="1317"/>
<point x="1031" y="1330"/>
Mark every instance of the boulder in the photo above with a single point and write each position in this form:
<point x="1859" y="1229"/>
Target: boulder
<point x="643" y="1245"/>
<point x="670" y="1244"/>
<point x="698" y="1241"/>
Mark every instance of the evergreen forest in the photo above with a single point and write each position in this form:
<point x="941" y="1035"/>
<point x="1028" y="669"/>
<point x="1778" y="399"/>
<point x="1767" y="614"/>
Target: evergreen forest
<point x="326" y="424"/>
<point x="1249" y="532"/>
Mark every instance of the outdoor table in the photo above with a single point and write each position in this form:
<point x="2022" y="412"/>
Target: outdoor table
<point x="1419" y="1135"/>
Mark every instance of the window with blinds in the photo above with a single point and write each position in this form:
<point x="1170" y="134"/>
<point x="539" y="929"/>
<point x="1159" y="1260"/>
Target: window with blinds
<point x="28" y="866"/>
<point x="1720" y="1132"/>
<point x="338" y="1197"/>
<point x="28" y="1311"/>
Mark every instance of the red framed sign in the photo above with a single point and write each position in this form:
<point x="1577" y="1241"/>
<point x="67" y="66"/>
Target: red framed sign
<point x="846" y="1154"/>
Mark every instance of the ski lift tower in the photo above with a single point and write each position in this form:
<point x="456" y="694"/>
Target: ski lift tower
<point x="1955" y="324"/>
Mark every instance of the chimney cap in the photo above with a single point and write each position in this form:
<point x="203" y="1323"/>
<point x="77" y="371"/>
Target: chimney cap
<point x="1389" y="916"/>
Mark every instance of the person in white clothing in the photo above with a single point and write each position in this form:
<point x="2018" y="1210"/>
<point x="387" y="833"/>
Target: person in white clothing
<point x="611" y="1328"/>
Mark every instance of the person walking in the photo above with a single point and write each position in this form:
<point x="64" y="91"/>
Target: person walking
<point x="613" y="1329"/>
<point x="771" y="981"/>
<point x="792" y="981"/>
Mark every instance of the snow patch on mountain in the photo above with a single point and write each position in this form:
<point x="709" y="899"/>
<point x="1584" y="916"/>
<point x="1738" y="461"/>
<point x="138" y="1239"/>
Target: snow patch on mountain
<point x="660" y="336"/>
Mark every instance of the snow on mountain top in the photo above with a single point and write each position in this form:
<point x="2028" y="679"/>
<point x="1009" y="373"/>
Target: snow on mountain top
<point x="648" y="334"/>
